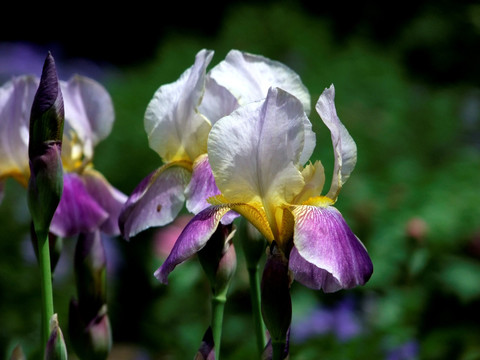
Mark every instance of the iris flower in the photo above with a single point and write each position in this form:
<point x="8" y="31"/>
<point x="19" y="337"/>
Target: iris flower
<point x="178" y="120"/>
<point x="89" y="202"/>
<point x="258" y="155"/>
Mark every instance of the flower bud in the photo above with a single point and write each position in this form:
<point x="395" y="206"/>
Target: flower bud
<point x="18" y="354"/>
<point x="90" y="273"/>
<point x="46" y="130"/>
<point x="56" y="349"/>
<point x="90" y="340"/>
<point x="275" y="294"/>
<point x="218" y="258"/>
<point x="207" y="348"/>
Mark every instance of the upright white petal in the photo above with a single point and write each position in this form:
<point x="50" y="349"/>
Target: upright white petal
<point x="248" y="77"/>
<point x="89" y="113"/>
<point x="16" y="98"/>
<point x="175" y="128"/>
<point x="345" y="149"/>
<point x="255" y="151"/>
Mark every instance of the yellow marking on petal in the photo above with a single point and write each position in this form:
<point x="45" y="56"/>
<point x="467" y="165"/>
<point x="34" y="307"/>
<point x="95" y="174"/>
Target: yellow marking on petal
<point x="253" y="212"/>
<point x="286" y="223"/>
<point x="320" y="201"/>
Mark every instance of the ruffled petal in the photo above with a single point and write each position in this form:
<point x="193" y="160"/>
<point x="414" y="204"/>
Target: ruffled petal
<point x="255" y="151"/>
<point x="16" y="98"/>
<point x="248" y="77"/>
<point x="192" y="239"/>
<point x="89" y="113"/>
<point x="217" y="101"/>
<point x="174" y="127"/>
<point x="345" y="149"/>
<point x="108" y="197"/>
<point x="78" y="212"/>
<point x="157" y="200"/>
<point x="333" y="257"/>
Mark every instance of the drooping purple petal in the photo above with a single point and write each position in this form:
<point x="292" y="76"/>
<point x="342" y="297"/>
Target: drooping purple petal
<point x="192" y="239"/>
<point x="108" y="197"/>
<point x="327" y="254"/>
<point x="156" y="201"/>
<point x="77" y="212"/>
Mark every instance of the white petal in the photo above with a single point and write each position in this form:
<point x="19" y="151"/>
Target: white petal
<point x="250" y="76"/>
<point x="89" y="112"/>
<point x="174" y="127"/>
<point x="345" y="149"/>
<point x="254" y="152"/>
<point x="16" y="98"/>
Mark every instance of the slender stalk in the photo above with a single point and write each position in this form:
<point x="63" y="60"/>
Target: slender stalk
<point x="46" y="286"/>
<point x="218" y="308"/>
<point x="254" y="278"/>
<point x="278" y="348"/>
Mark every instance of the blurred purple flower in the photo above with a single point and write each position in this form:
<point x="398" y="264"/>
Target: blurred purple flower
<point x="341" y="320"/>
<point x="406" y="351"/>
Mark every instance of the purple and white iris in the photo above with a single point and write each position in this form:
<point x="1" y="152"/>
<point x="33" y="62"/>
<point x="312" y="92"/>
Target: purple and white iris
<point x="258" y="155"/>
<point x="89" y="202"/>
<point x="178" y="121"/>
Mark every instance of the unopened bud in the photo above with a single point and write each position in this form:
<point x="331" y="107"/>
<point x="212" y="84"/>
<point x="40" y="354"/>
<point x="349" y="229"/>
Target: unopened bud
<point x="46" y="130"/>
<point x="275" y="293"/>
<point x="207" y="348"/>
<point x="218" y="258"/>
<point x="90" y="273"/>
<point x="56" y="349"/>
<point x="91" y="340"/>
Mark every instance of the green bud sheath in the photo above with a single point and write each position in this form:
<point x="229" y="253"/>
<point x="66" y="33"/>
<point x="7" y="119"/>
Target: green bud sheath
<point x="56" y="349"/>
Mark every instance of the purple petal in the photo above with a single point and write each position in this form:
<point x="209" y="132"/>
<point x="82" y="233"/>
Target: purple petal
<point x="77" y="212"/>
<point x="327" y="255"/>
<point x="156" y="201"/>
<point x="201" y="187"/>
<point x="108" y="197"/>
<point x="192" y="239"/>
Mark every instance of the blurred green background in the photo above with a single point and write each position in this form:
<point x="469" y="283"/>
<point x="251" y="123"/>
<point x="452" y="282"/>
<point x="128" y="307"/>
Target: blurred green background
<point x="407" y="85"/>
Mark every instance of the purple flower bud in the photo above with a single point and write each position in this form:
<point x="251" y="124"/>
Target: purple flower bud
<point x="207" y="348"/>
<point x="93" y="339"/>
<point x="56" y="348"/>
<point x="90" y="273"/>
<point x="218" y="258"/>
<point x="45" y="142"/>
<point x="275" y="294"/>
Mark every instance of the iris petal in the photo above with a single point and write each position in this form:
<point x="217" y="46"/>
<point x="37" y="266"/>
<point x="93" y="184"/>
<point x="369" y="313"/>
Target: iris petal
<point x="109" y="198"/>
<point x="345" y="149"/>
<point x="157" y="200"/>
<point x="255" y="151"/>
<point x="332" y="253"/>
<point x="89" y="112"/>
<point x="192" y="239"/>
<point x="248" y="77"/>
<point x="173" y="111"/>
<point x="16" y="98"/>
<point x="77" y="212"/>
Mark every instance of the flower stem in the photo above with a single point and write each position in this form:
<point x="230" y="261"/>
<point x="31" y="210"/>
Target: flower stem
<point x="254" y="277"/>
<point x="46" y="286"/>
<point x="218" y="307"/>
<point x="278" y="348"/>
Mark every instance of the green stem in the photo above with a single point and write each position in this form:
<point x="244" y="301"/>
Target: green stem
<point x="218" y="307"/>
<point x="254" y="277"/>
<point x="278" y="348"/>
<point x="46" y="285"/>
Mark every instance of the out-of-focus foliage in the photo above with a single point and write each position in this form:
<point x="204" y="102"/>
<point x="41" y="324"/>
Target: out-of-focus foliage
<point x="413" y="198"/>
